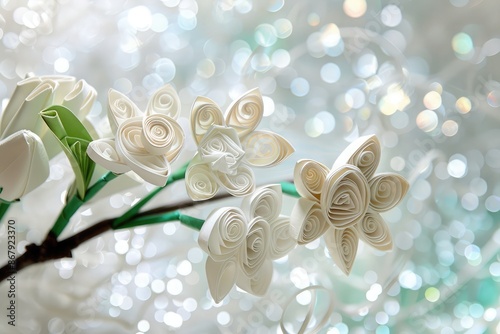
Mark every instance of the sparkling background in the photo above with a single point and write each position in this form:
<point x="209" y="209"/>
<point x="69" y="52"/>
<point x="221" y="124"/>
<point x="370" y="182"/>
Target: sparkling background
<point x="423" y="76"/>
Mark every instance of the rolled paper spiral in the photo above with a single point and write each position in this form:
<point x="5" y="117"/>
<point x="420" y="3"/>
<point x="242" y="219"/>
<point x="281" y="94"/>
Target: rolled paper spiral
<point x="258" y="284"/>
<point x="221" y="148"/>
<point x="387" y="190"/>
<point x="363" y="153"/>
<point x="374" y="231"/>
<point x="161" y="134"/>
<point x="255" y="250"/>
<point x="265" y="149"/>
<point x="104" y="153"/>
<point x="264" y="202"/>
<point x="345" y="196"/>
<point x="307" y="222"/>
<point x="164" y="101"/>
<point x="204" y="114"/>
<point x="200" y="184"/>
<point x="240" y="184"/>
<point x="221" y="277"/>
<point x="309" y="177"/>
<point x="281" y="242"/>
<point x="223" y="233"/>
<point x="342" y="245"/>
<point x="246" y="112"/>
<point x="120" y="108"/>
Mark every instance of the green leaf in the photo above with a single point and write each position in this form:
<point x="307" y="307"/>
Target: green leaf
<point x="74" y="140"/>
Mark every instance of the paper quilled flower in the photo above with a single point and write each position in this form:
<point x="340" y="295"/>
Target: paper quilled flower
<point x="145" y="143"/>
<point x="228" y="147"/>
<point x="242" y="242"/>
<point x="345" y="201"/>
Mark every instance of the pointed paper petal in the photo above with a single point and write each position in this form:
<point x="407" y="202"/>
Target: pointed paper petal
<point x="342" y="245"/>
<point x="221" y="148"/>
<point x="266" y="149"/>
<point x="120" y="108"/>
<point x="255" y="249"/>
<point x="80" y="99"/>
<point x="164" y="101"/>
<point x="154" y="169"/>
<point x="161" y="134"/>
<point x="264" y="202"/>
<point x="387" y="190"/>
<point x="345" y="196"/>
<point x="246" y="113"/>
<point x="374" y="231"/>
<point x="221" y="277"/>
<point x="103" y="152"/>
<point x="223" y="233"/>
<point x="309" y="177"/>
<point x="281" y="242"/>
<point x="200" y="181"/>
<point x="24" y="164"/>
<point x="258" y="284"/>
<point x="307" y="222"/>
<point x="204" y="114"/>
<point x="363" y="153"/>
<point x="240" y="184"/>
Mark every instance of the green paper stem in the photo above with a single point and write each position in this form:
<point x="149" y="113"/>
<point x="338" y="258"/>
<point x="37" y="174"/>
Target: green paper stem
<point x="289" y="189"/>
<point x="192" y="222"/>
<point x="177" y="175"/>
<point x="3" y="209"/>
<point x="76" y="202"/>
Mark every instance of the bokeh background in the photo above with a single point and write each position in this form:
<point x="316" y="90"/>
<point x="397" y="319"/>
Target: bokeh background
<point x="421" y="75"/>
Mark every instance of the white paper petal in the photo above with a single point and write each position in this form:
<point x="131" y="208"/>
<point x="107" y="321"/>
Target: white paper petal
<point x="221" y="277"/>
<point x="120" y="108"/>
<point x="387" y="190"/>
<point x="342" y="245"/>
<point x="164" y="101"/>
<point x="255" y="250"/>
<point x="266" y="149"/>
<point x="200" y="182"/>
<point x="64" y="85"/>
<point x="204" y="114"/>
<point x="223" y="233"/>
<point x="258" y="284"/>
<point x="161" y="134"/>
<point x="345" y="196"/>
<point x="363" y="153"/>
<point x="221" y="149"/>
<point x="264" y="202"/>
<point x="240" y="184"/>
<point x="309" y="177"/>
<point x="24" y="164"/>
<point x="103" y="152"/>
<point x="151" y="168"/>
<point x="281" y="242"/>
<point x="374" y="231"/>
<point x="307" y="221"/>
<point x="80" y="99"/>
<point x="245" y="113"/>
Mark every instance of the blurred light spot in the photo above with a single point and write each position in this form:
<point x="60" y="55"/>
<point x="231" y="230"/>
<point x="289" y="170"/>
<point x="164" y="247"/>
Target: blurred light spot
<point x="493" y="158"/>
<point x="404" y="240"/>
<point x="330" y="35"/>
<point x="313" y="19"/>
<point x="476" y="310"/>
<point x="299" y="277"/>
<point x="366" y="65"/>
<point x="459" y="3"/>
<point x="158" y="286"/>
<point x="354" y="8"/>
<point x="223" y="318"/>
<point x="463" y="105"/>
<point x="299" y="87"/>
<point x="432" y="294"/>
<point x="140" y="18"/>
<point x="304" y="298"/>
<point x="449" y="128"/>
<point x="283" y="28"/>
<point x="457" y="166"/>
<point x="195" y="255"/>
<point x="174" y="287"/>
<point x="432" y="100"/>
<point x="391" y="307"/>
<point x="470" y="201"/>
<point x="473" y="254"/>
<point x="159" y="23"/>
<point x="261" y="62"/>
<point x="427" y="120"/>
<point x="187" y="20"/>
<point x="328" y="121"/>
<point x="169" y="228"/>
<point x="397" y="164"/>
<point x="490" y="314"/>
<point x="10" y="40"/>
<point x="381" y="318"/>
<point x="184" y="268"/>
<point x="330" y="73"/>
<point x="165" y="68"/>
<point x="275" y="5"/>
<point x="409" y="280"/>
<point x="493" y="98"/>
<point x="121" y="247"/>
<point x="265" y="35"/>
<point x="400" y="120"/>
<point x="280" y="58"/>
<point x="141" y="280"/>
<point x="173" y="319"/>
<point x="143" y="326"/>
<point x="462" y="43"/>
<point x="395" y="100"/>
<point x="391" y="15"/>
<point x="357" y="96"/>
<point x="205" y="68"/>
<point x="492" y="203"/>
<point x="314" y="127"/>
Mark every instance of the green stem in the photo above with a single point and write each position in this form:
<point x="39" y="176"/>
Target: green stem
<point x="289" y="189"/>
<point x="192" y="222"/>
<point x="127" y="216"/>
<point x="3" y="209"/>
<point x="76" y="202"/>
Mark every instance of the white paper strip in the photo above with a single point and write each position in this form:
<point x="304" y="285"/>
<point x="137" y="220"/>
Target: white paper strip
<point x="281" y="242"/>
<point x="307" y="221"/>
<point x="200" y="181"/>
<point x="221" y="277"/>
<point x="387" y="190"/>
<point x="164" y="101"/>
<point x="255" y="250"/>
<point x="161" y="134"/>
<point x="342" y="245"/>
<point x="258" y="284"/>
<point x="104" y="153"/>
<point x="363" y="153"/>
<point x="240" y="184"/>
<point x="266" y="149"/>
<point x="204" y="114"/>
<point x="374" y="231"/>
<point x="264" y="202"/>
<point x="120" y="108"/>
<point x="309" y="177"/>
<point x="245" y="113"/>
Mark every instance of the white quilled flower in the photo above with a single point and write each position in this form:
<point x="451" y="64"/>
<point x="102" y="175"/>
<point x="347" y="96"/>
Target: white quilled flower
<point x="228" y="147"/>
<point x="241" y="243"/>
<point x="24" y="164"/>
<point x="145" y="143"/>
<point x="345" y="202"/>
